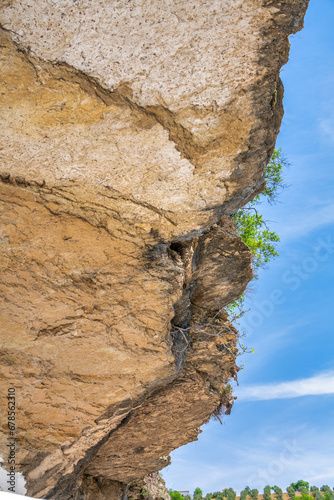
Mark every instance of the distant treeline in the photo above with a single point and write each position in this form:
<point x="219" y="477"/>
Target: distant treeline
<point x="302" y="487"/>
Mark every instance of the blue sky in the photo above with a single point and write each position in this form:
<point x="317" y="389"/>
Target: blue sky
<point x="281" y="427"/>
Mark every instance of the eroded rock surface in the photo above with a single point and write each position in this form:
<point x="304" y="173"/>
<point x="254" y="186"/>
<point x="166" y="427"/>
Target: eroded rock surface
<point x="130" y="131"/>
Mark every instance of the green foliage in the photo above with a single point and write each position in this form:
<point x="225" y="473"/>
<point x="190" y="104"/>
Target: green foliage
<point x="306" y="496"/>
<point x="254" y="493"/>
<point x="236" y="305"/>
<point x="316" y="493"/>
<point x="225" y="392"/>
<point x="231" y="494"/>
<point x="267" y="492"/>
<point x="219" y="495"/>
<point x="249" y="223"/>
<point x="198" y="494"/>
<point x="291" y="492"/>
<point x="329" y="494"/>
<point x="279" y="493"/>
<point x="175" y="495"/>
<point x="274" y="176"/>
<point x="303" y="487"/>
<point x="300" y="484"/>
<point x="253" y="231"/>
<point x="243" y="495"/>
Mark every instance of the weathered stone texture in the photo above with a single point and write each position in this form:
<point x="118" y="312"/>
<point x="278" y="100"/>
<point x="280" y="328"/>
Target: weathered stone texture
<point x="129" y="131"/>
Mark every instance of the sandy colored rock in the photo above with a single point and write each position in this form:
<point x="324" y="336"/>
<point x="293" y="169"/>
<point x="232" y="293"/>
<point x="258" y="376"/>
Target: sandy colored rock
<point x="205" y="125"/>
<point x="129" y="132"/>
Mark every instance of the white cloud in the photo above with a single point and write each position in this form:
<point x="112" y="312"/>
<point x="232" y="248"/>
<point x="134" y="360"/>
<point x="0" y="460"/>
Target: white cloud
<point x="280" y="451"/>
<point x="305" y="222"/>
<point x="327" y="127"/>
<point x="317" y="385"/>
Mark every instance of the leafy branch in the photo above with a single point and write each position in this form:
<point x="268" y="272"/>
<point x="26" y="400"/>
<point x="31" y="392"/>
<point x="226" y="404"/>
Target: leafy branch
<point x="251" y="227"/>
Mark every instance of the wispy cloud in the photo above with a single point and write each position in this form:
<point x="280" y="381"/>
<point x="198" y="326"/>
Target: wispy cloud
<point x="317" y="385"/>
<point x="267" y="344"/>
<point x="304" y="223"/>
<point x="280" y="450"/>
<point x="327" y="127"/>
<point x="272" y="454"/>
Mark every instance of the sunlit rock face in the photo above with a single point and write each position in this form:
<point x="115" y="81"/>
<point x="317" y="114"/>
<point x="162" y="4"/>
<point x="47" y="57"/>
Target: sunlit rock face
<point x="130" y="131"/>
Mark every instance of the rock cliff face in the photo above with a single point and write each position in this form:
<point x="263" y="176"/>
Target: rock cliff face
<point x="130" y="131"/>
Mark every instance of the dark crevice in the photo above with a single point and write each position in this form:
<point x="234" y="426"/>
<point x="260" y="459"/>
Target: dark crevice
<point x="177" y="247"/>
<point x="182" y="308"/>
<point x="180" y="347"/>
